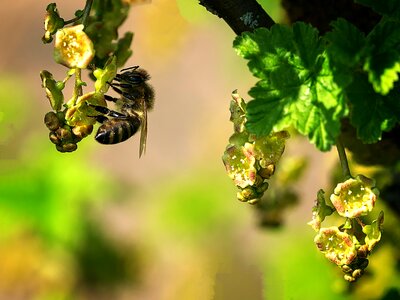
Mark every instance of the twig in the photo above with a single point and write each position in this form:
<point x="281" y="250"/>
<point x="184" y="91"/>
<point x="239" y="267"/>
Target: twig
<point x="86" y="12"/>
<point x="240" y="15"/>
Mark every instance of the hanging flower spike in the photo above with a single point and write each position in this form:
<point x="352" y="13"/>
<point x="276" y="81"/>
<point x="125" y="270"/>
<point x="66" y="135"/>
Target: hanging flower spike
<point x="250" y="160"/>
<point x="73" y="48"/>
<point x="355" y="197"/>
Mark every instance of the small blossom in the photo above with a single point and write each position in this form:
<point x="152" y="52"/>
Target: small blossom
<point x="269" y="149"/>
<point x="355" y="197"/>
<point x="82" y="113"/>
<point x="240" y="165"/>
<point x="339" y="247"/>
<point x="73" y="48"/>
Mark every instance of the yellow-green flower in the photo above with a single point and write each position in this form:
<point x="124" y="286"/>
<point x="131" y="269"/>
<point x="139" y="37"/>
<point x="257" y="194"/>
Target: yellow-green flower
<point x="73" y="47"/>
<point x="339" y="247"/>
<point x="355" y="197"/>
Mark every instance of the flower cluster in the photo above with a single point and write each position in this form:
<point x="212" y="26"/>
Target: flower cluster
<point x="250" y="160"/>
<point x="349" y="244"/>
<point x="72" y="121"/>
<point x="91" y="43"/>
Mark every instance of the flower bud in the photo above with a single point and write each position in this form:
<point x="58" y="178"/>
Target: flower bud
<point x="70" y="147"/>
<point x="52" y="22"/>
<point x="51" y="121"/>
<point x="54" y="138"/>
<point x="267" y="172"/>
<point x="82" y="131"/>
<point x="64" y="134"/>
<point x="247" y="194"/>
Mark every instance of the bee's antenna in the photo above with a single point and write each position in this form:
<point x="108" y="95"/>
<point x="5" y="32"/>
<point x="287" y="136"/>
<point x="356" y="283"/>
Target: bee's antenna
<point x="130" y="68"/>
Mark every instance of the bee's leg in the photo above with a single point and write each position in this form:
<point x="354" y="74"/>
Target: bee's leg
<point x="113" y="85"/>
<point x="108" y="112"/>
<point x="132" y="95"/>
<point x="121" y="85"/>
<point x="109" y="98"/>
<point x="124" y="85"/>
<point x="100" y="118"/>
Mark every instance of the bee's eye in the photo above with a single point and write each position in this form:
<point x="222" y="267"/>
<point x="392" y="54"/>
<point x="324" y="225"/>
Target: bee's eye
<point x="135" y="79"/>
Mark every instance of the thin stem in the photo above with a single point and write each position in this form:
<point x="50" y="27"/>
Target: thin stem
<point x="72" y="20"/>
<point x="86" y="12"/>
<point x="78" y="91"/>
<point x="67" y="78"/>
<point x="343" y="159"/>
<point x="360" y="222"/>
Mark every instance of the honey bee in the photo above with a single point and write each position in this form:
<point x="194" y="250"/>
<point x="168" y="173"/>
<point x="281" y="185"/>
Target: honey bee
<point x="136" y="98"/>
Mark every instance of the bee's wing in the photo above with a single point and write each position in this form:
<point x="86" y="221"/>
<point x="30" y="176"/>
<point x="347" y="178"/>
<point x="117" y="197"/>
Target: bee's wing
<point x="143" y="132"/>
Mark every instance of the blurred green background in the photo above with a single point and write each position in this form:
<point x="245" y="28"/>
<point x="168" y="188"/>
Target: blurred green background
<point x="101" y="224"/>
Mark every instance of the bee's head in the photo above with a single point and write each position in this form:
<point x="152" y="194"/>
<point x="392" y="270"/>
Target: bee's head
<point x="133" y="75"/>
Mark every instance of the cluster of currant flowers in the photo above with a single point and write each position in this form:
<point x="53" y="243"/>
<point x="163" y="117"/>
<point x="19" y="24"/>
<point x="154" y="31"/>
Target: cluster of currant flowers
<point x="87" y="42"/>
<point x="250" y="160"/>
<point x="348" y="245"/>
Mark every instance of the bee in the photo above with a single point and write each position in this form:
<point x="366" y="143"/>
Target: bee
<point x="136" y="98"/>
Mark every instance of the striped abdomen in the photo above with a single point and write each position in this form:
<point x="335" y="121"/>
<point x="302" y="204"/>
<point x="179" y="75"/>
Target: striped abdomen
<point x="116" y="130"/>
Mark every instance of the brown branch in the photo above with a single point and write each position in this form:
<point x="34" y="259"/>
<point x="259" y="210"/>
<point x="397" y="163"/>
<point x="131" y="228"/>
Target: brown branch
<point x="240" y="15"/>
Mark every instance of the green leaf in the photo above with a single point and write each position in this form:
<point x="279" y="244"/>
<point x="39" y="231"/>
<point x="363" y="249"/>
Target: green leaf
<point x="103" y="27"/>
<point x="297" y="87"/>
<point x="389" y="8"/>
<point x="345" y="42"/>
<point x="383" y="56"/>
<point x="372" y="113"/>
<point x="345" y="49"/>
<point x="123" y="51"/>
